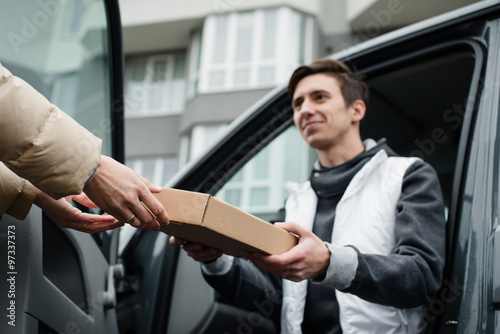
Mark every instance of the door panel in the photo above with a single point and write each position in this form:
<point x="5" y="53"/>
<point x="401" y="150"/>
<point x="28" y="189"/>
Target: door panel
<point x="70" y="51"/>
<point x="474" y="261"/>
<point x="37" y="298"/>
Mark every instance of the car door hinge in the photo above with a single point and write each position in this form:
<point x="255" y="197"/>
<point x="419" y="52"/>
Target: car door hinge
<point x="109" y="297"/>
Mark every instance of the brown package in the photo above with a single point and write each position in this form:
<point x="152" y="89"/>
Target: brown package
<point x="202" y="218"/>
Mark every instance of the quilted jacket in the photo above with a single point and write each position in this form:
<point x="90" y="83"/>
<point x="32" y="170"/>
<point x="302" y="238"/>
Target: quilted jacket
<point x="39" y="143"/>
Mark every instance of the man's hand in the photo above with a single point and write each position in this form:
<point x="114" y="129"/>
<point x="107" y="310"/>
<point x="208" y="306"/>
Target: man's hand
<point x="66" y="215"/>
<point x="196" y="250"/>
<point x="119" y="191"/>
<point x="309" y="259"/>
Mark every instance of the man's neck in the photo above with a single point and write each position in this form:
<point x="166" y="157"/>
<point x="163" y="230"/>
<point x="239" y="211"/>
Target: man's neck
<point x="338" y="154"/>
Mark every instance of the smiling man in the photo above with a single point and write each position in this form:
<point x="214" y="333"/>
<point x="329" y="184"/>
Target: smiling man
<point x="370" y="224"/>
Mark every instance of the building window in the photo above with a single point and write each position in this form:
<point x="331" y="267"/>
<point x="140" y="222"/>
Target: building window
<point x="194" y="54"/>
<point x="65" y="92"/>
<point x="253" y="49"/>
<point x="199" y="140"/>
<point x="259" y="187"/>
<point x="158" y="170"/>
<point x="156" y="85"/>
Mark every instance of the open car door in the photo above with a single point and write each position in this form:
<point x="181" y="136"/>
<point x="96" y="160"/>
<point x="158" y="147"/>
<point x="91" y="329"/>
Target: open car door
<point x="56" y="280"/>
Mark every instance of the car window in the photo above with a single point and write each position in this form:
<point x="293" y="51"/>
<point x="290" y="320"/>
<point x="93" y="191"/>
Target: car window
<point x="259" y="187"/>
<point x="60" y="48"/>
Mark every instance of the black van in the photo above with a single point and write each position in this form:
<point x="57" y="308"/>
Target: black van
<point x="435" y="93"/>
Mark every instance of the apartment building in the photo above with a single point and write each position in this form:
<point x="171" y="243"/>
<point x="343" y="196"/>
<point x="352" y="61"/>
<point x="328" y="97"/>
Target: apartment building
<point x="193" y="66"/>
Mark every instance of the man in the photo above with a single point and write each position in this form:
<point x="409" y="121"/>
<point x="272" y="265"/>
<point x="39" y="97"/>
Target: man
<point x="370" y="225"/>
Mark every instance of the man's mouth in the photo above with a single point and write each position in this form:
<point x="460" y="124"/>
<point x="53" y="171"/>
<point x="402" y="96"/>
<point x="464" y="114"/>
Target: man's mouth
<point x="310" y="124"/>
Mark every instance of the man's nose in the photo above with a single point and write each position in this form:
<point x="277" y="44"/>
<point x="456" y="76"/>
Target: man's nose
<point x="307" y="107"/>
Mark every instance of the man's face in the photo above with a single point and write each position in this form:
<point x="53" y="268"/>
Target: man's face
<point x="320" y="112"/>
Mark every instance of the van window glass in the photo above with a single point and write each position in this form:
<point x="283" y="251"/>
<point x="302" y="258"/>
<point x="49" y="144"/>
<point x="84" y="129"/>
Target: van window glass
<point x="60" y="48"/>
<point x="259" y="187"/>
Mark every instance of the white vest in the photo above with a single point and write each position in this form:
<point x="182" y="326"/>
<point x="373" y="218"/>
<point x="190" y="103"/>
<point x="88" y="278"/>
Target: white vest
<point x="365" y="218"/>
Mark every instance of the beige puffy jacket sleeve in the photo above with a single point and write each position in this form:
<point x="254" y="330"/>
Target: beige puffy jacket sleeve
<point x="40" y="143"/>
<point x="16" y="194"/>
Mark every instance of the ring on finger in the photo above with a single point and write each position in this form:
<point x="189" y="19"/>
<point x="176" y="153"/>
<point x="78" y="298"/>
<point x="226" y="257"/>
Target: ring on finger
<point x="130" y="220"/>
<point x="84" y="225"/>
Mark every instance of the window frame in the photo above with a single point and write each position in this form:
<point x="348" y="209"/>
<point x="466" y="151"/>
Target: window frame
<point x="287" y="53"/>
<point x="198" y="140"/>
<point x="275" y="181"/>
<point x="160" y="163"/>
<point x="146" y="88"/>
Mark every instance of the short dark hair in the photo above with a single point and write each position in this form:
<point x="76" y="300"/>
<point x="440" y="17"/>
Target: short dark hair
<point x="351" y="85"/>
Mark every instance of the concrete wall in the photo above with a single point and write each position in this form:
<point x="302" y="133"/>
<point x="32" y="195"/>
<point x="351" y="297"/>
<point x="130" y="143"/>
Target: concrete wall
<point x="154" y="25"/>
<point x="356" y="8"/>
<point x="145" y="12"/>
<point x="152" y="136"/>
<point x="219" y="107"/>
<point x="332" y="18"/>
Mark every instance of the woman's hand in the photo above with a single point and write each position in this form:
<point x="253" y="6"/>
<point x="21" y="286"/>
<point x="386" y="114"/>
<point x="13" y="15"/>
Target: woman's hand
<point x="66" y="215"/>
<point x="119" y="191"/>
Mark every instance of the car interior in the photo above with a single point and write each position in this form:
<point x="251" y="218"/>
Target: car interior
<point x="419" y="109"/>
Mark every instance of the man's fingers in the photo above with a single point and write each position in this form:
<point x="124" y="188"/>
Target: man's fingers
<point x="197" y="251"/>
<point x="293" y="228"/>
<point x="284" y="259"/>
<point x="204" y="255"/>
<point x="280" y="265"/>
<point x="176" y="241"/>
<point x="193" y="247"/>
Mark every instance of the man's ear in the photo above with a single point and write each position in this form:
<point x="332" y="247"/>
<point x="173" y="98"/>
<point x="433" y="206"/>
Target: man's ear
<point x="358" y="110"/>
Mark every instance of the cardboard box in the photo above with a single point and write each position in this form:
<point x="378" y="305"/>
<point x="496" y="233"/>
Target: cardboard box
<point x="205" y="219"/>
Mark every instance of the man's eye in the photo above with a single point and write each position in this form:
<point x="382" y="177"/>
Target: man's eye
<point x="320" y="97"/>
